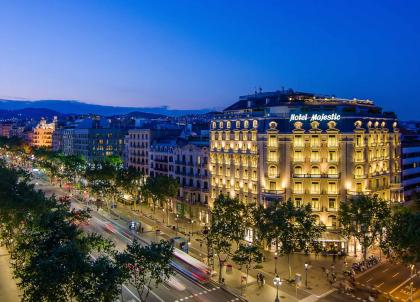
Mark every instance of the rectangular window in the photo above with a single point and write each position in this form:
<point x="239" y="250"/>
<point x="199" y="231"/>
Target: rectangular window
<point x="332" y="188"/>
<point x="298" y="188"/>
<point x="298" y="141"/>
<point x="272" y="185"/>
<point x="272" y="156"/>
<point x="272" y="141"/>
<point x="315" y="156"/>
<point x="298" y="201"/>
<point x="332" y="203"/>
<point x="298" y="156"/>
<point x="332" y="141"/>
<point x="315" y="204"/>
<point x="315" y="188"/>
<point x="315" y="141"/>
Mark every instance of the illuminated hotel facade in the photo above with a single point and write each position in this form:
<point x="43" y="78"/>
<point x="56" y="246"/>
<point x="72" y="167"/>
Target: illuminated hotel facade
<point x="311" y="149"/>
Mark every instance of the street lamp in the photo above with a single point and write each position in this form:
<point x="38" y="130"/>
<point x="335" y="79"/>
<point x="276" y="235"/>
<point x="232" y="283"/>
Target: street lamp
<point x="275" y="262"/>
<point x="277" y="283"/>
<point x="307" y="266"/>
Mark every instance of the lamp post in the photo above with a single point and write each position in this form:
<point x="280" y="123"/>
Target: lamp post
<point x="275" y="262"/>
<point x="306" y="274"/>
<point x="177" y="218"/>
<point x="277" y="283"/>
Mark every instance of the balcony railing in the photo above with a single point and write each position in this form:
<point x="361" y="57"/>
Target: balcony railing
<point x="275" y="192"/>
<point x="316" y="176"/>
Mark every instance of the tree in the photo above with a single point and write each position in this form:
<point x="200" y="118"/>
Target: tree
<point x="50" y="254"/>
<point x="247" y="255"/>
<point x="146" y="265"/>
<point x="130" y="181"/>
<point x="162" y="189"/>
<point x="290" y="228"/>
<point x="403" y="236"/>
<point x="364" y="218"/>
<point x="101" y="281"/>
<point x="227" y="226"/>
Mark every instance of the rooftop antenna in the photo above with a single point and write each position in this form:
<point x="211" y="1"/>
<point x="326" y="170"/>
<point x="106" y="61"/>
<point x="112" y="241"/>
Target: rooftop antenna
<point x="260" y="89"/>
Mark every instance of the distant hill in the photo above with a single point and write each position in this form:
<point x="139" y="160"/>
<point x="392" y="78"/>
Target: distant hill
<point x="29" y="113"/>
<point x="76" y="107"/>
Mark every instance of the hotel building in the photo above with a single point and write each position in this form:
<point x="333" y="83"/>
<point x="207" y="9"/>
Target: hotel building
<point x="282" y="145"/>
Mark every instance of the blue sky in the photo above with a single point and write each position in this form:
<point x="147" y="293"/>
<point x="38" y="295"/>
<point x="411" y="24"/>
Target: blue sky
<point x="195" y="54"/>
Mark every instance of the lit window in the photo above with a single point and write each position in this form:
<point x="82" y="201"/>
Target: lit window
<point x="315" y="170"/>
<point x="272" y="171"/>
<point x="315" y="204"/>
<point x="298" y="170"/>
<point x="254" y="124"/>
<point x="315" y="188"/>
<point x="298" y="156"/>
<point x="332" y="188"/>
<point x="298" y="188"/>
<point x="332" y="170"/>
<point x="272" y="140"/>
<point x="272" y="156"/>
<point x="315" y="156"/>
<point x="332" y="203"/>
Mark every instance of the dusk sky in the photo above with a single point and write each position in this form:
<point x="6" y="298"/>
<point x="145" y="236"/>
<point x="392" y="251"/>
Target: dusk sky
<point x="204" y="54"/>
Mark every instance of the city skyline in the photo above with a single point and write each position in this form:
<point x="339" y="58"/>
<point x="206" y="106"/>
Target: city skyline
<point x="194" y="55"/>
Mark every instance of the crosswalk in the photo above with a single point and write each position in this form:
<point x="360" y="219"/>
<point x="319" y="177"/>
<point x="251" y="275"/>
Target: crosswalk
<point x="204" y="292"/>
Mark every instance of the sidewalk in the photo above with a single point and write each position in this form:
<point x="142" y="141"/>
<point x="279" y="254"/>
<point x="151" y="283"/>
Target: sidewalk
<point x="318" y="284"/>
<point x="287" y="292"/>
<point x="9" y="291"/>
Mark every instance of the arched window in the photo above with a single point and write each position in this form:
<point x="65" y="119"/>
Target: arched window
<point x="221" y="125"/>
<point x="272" y="171"/>
<point x="254" y="124"/>
<point x="332" y="170"/>
<point x="317" y="220"/>
<point x="227" y="124"/>
<point x="315" y="170"/>
<point x="359" y="171"/>
<point x="246" y="124"/>
<point x="238" y="124"/>
<point x="213" y="125"/>
<point x="298" y="170"/>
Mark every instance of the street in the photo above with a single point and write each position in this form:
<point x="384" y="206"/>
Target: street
<point x="121" y="236"/>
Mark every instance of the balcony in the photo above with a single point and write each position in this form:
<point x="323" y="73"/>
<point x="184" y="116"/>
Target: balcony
<point x="332" y="176"/>
<point x="332" y="144"/>
<point x="276" y="192"/>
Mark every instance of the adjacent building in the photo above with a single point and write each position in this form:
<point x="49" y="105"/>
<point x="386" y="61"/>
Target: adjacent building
<point x="96" y="138"/>
<point x="411" y="161"/>
<point x="304" y="147"/>
<point x="43" y="133"/>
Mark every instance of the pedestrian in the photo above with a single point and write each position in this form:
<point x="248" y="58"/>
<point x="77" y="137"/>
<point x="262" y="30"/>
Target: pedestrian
<point x="327" y="272"/>
<point x="259" y="279"/>
<point x="262" y="279"/>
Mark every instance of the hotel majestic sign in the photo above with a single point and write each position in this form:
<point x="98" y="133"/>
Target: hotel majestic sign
<point x="315" y="117"/>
